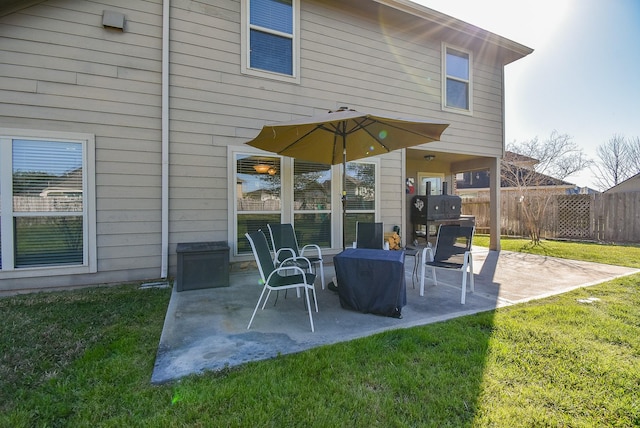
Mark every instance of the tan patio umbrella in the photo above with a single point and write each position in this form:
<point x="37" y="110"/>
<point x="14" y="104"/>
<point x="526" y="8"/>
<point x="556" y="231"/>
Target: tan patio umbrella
<point x="345" y="135"/>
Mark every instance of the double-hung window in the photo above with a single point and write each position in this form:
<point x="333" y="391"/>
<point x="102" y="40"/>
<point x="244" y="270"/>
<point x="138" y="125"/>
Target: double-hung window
<point x="270" y="39"/>
<point x="46" y="205"/>
<point x="457" y="89"/>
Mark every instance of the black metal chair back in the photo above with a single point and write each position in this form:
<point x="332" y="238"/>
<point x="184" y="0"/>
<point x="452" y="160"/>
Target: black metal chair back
<point x="369" y="235"/>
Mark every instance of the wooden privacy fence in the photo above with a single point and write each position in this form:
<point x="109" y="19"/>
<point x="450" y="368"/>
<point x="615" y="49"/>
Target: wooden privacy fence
<point x="609" y="217"/>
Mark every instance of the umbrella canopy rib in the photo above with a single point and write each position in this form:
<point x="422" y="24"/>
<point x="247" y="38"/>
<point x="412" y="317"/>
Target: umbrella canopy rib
<point x="294" y="142"/>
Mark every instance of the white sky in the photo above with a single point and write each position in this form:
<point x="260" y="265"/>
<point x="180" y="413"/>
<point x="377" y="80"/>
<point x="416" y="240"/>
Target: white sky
<point x="582" y="78"/>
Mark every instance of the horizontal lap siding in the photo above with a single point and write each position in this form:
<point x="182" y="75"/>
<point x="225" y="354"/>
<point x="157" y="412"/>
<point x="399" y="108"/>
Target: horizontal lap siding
<point x="62" y="71"/>
<point x="345" y="60"/>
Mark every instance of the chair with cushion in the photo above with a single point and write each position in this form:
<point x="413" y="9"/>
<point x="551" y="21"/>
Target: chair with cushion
<point x="370" y="235"/>
<point x="275" y="279"/>
<point x="285" y="246"/>
<point x="453" y="252"/>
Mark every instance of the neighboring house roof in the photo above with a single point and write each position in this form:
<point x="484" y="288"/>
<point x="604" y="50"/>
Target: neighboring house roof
<point x="523" y="165"/>
<point x="535" y="178"/>
<point x="629" y="185"/>
<point x="520" y="160"/>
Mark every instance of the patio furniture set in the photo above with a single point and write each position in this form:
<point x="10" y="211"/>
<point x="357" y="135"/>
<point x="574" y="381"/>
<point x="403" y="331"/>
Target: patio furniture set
<point x="369" y="278"/>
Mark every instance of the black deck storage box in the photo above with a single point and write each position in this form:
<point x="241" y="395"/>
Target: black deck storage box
<point x="202" y="265"/>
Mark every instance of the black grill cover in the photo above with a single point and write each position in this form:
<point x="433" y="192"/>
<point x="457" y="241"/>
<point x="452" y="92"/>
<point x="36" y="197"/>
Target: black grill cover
<point x="419" y="206"/>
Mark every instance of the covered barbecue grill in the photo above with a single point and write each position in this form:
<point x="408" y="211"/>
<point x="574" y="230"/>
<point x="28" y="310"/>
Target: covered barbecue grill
<point x="436" y="209"/>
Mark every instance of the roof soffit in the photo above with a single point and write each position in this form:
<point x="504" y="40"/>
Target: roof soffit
<point x="461" y="32"/>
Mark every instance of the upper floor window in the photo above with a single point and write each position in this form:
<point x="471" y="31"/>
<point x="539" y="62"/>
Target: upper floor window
<point x="270" y="38"/>
<point x="457" y="79"/>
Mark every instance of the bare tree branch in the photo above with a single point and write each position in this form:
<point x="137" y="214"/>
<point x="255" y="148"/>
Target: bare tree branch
<point x="558" y="156"/>
<point x="634" y="155"/>
<point x="619" y="159"/>
<point x="532" y="166"/>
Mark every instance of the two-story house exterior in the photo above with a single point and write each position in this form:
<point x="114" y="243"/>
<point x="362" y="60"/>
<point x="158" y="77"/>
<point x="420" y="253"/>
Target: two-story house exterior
<point x="137" y="112"/>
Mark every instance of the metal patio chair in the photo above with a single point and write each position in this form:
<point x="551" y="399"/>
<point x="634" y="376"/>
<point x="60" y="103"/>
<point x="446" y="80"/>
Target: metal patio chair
<point x="370" y="235"/>
<point x="272" y="278"/>
<point x="452" y="252"/>
<point x="285" y="247"/>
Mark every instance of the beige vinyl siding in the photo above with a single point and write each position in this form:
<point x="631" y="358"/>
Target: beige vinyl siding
<point x="62" y="71"/>
<point x="391" y="190"/>
<point x="367" y="67"/>
<point x="404" y="77"/>
<point x="204" y="109"/>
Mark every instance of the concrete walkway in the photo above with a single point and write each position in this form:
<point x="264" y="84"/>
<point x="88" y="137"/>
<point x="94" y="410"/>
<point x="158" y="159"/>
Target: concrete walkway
<point x="207" y="329"/>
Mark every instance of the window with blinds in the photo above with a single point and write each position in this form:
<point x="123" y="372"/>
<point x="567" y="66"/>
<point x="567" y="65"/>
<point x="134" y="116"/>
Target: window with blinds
<point x="47" y="203"/>
<point x="46" y="207"/>
<point x="258" y="196"/>
<point x="271" y="35"/>
<point x="312" y="203"/>
<point x="272" y="189"/>
<point x="361" y="196"/>
<point x="270" y="39"/>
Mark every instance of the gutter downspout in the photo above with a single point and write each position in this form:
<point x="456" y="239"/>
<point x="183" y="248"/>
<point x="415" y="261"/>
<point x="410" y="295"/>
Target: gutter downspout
<point x="165" y="141"/>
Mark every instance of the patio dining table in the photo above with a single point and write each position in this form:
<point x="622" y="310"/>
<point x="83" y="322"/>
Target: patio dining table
<point x="371" y="281"/>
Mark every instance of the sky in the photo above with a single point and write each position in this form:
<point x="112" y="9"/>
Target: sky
<point x="583" y="78"/>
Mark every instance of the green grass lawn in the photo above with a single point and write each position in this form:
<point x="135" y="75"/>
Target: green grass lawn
<point x="622" y="255"/>
<point x="84" y="358"/>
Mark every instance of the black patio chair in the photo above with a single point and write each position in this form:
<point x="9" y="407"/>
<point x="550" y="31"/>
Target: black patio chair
<point x="453" y="252"/>
<point x="370" y="235"/>
<point x="272" y="278"/>
<point x="285" y="246"/>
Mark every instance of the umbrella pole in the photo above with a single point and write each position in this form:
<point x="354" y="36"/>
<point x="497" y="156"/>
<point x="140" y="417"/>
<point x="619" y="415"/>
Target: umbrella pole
<point x="344" y="187"/>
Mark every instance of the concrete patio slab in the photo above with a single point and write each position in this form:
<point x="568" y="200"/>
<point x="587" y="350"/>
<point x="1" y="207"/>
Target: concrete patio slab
<point x="207" y="329"/>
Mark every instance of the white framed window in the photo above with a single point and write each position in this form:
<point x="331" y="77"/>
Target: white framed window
<point x="362" y="196"/>
<point x="312" y="203"/>
<point x="47" y="203"/>
<point x="258" y="196"/>
<point x="270" y="39"/>
<point x="269" y="189"/>
<point x="457" y="80"/>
